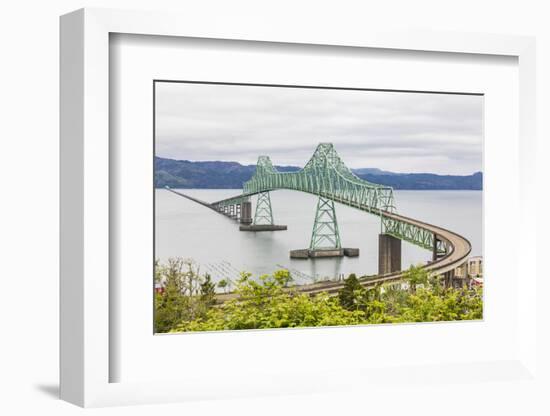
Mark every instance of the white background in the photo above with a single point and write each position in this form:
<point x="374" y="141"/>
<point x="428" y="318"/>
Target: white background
<point x="29" y="209"/>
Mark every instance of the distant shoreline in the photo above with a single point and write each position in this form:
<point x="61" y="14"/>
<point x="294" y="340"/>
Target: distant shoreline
<point x="186" y="174"/>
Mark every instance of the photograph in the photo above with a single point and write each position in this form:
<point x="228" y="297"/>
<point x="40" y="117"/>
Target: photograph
<point x="286" y="206"/>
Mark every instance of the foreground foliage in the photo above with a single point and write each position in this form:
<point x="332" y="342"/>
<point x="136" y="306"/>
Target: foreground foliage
<point x="187" y="302"/>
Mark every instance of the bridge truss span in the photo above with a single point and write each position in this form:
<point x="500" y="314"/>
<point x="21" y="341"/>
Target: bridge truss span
<point x="325" y="174"/>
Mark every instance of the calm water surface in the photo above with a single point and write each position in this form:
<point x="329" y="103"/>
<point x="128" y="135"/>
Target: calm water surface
<point x="187" y="229"/>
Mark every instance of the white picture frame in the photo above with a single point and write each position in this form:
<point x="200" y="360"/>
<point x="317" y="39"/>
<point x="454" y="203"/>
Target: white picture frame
<point x="85" y="221"/>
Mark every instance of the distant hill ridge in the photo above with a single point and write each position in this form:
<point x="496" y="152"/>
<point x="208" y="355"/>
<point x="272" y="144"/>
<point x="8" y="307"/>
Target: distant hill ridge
<point x="232" y="175"/>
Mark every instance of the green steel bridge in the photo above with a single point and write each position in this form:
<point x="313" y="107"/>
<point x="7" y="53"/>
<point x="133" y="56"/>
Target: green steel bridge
<point x="326" y="176"/>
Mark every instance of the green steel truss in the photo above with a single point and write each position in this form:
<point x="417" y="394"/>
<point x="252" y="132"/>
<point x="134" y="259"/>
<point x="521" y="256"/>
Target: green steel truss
<point x="263" y="213"/>
<point x="326" y="175"/>
<point x="413" y="234"/>
<point x="325" y="234"/>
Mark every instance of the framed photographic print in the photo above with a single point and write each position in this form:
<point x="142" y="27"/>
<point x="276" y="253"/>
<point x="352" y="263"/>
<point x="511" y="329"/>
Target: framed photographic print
<point x="230" y="195"/>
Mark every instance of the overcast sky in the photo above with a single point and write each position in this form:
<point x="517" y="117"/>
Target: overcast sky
<point x="395" y="131"/>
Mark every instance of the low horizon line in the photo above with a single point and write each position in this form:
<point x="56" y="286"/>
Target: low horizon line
<point x="301" y="167"/>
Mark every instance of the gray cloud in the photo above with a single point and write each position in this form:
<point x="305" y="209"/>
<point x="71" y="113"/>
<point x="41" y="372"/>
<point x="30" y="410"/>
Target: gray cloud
<point x="401" y="132"/>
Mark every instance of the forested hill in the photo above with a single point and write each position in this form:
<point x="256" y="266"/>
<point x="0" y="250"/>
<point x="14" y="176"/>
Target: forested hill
<point x="232" y="175"/>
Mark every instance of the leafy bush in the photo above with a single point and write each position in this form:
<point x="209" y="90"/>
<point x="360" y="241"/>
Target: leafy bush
<point x="188" y="302"/>
<point x="186" y="296"/>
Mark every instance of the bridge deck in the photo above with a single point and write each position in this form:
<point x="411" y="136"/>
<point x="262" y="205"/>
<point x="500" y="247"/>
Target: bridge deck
<point x="199" y="201"/>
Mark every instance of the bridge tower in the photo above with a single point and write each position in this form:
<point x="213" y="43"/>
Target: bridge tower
<point x="264" y="213"/>
<point x="325" y="234"/>
<point x="263" y="216"/>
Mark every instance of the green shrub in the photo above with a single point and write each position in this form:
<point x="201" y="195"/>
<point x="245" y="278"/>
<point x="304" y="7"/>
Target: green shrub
<point x="188" y="302"/>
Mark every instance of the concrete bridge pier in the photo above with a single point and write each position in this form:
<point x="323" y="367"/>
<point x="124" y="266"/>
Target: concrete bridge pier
<point x="389" y="254"/>
<point x="449" y="279"/>
<point x="246" y="212"/>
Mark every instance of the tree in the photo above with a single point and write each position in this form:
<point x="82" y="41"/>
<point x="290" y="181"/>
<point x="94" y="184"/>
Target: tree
<point x="349" y="295"/>
<point x="416" y="275"/>
<point x="170" y="305"/>
<point x="282" y="277"/>
<point x="223" y="284"/>
<point x="186" y="296"/>
<point x="207" y="290"/>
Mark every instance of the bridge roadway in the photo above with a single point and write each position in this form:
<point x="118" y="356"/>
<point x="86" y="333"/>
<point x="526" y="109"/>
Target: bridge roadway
<point x="458" y="250"/>
<point x="200" y="201"/>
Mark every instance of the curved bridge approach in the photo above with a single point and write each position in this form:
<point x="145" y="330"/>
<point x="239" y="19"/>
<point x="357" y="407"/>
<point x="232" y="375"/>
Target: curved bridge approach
<point x="326" y="176"/>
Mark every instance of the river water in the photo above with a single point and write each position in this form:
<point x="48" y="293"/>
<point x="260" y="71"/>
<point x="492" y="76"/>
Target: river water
<point x="186" y="229"/>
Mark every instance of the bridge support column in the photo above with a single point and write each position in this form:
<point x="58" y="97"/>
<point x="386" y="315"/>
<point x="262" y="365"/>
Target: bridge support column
<point x="325" y="234"/>
<point x="263" y="216"/>
<point x="449" y="279"/>
<point x="246" y="212"/>
<point x="389" y="254"/>
<point x="264" y="213"/>
<point x="325" y="237"/>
